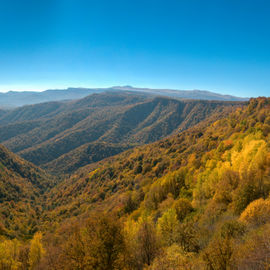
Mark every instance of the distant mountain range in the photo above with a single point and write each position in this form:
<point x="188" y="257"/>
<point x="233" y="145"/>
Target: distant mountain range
<point x="15" y="99"/>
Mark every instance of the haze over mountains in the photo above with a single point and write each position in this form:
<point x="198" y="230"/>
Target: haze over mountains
<point x="163" y="164"/>
<point x="15" y="99"/>
<point x="64" y="136"/>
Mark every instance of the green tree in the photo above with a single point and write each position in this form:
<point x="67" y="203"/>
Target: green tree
<point x="168" y="227"/>
<point x="182" y="207"/>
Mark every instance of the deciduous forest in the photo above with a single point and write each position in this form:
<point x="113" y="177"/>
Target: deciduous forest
<point x="196" y="199"/>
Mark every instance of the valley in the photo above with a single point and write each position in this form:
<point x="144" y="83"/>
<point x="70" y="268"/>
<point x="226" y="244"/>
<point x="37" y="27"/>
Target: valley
<point x="204" y="185"/>
<point x="64" y="136"/>
<point x="134" y="135"/>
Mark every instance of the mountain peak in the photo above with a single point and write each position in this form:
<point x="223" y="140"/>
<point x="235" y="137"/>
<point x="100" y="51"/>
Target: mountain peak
<point x="123" y="87"/>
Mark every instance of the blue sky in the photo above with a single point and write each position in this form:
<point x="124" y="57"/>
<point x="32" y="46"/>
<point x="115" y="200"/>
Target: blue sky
<point x="217" y="45"/>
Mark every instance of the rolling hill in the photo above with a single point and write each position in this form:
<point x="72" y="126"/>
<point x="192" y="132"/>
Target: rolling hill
<point x="63" y="136"/>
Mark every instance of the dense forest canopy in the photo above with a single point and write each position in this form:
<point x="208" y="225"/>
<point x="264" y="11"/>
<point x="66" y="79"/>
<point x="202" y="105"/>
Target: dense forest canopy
<point x="198" y="199"/>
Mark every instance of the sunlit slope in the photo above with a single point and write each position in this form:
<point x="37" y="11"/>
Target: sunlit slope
<point x="194" y="164"/>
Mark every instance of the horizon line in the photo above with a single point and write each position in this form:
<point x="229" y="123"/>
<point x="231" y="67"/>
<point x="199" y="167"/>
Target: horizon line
<point x="43" y="89"/>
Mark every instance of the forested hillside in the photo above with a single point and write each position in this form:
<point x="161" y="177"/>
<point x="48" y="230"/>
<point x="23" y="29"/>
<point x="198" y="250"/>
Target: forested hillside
<point x="21" y="188"/>
<point x="131" y="174"/>
<point x="63" y="136"/>
<point x="198" y="199"/>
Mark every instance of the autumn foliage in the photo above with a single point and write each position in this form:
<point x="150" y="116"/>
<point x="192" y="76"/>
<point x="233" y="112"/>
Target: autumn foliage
<point x="196" y="200"/>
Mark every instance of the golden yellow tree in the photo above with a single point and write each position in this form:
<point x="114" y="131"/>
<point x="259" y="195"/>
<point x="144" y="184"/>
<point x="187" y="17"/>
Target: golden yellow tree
<point x="36" y="251"/>
<point x="256" y="213"/>
<point x="9" y="255"/>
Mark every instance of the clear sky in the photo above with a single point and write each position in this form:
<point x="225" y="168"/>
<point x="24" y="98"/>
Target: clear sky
<point x="217" y="45"/>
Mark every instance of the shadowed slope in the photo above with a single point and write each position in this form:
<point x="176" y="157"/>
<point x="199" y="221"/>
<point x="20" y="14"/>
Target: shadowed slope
<point x="21" y="187"/>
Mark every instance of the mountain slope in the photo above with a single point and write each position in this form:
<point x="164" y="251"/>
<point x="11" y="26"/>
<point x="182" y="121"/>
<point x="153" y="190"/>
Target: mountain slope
<point x="155" y="160"/>
<point x="21" y="185"/>
<point x="51" y="135"/>
<point x="51" y="109"/>
<point x="198" y="199"/>
<point x="201" y="194"/>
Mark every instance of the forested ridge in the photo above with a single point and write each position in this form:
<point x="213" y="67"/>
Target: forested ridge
<point x="198" y="199"/>
<point x="64" y="136"/>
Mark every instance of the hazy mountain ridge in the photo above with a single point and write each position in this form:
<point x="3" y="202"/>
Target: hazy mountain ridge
<point x="185" y="94"/>
<point x="14" y="99"/>
<point x="51" y="109"/>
